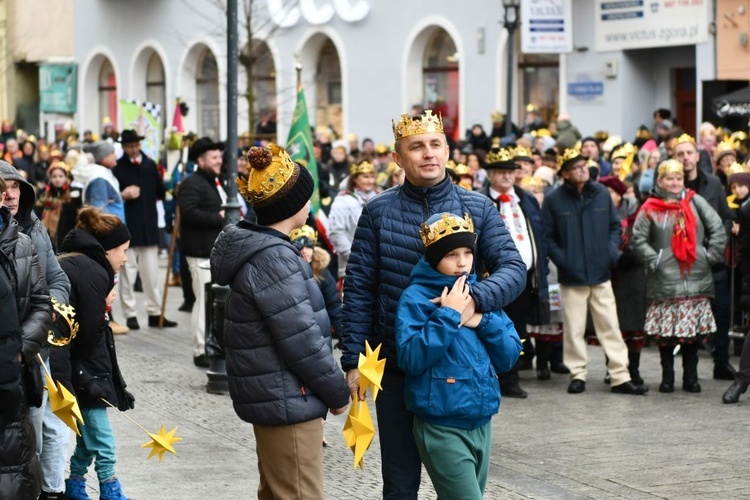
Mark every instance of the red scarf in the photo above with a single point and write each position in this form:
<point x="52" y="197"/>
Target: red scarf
<point x="683" y="231"/>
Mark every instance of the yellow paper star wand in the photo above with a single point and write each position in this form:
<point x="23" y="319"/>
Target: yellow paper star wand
<point x="161" y="443"/>
<point x="359" y="431"/>
<point x="62" y="402"/>
<point x="371" y="370"/>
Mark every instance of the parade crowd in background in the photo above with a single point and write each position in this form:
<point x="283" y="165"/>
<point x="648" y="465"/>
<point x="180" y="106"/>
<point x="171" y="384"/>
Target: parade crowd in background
<point x="540" y="241"/>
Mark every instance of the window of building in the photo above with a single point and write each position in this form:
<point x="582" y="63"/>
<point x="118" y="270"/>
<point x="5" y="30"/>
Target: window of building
<point x="207" y="86"/>
<point x="107" y="93"/>
<point x="261" y="74"/>
<point x="155" y="86"/>
<point x="440" y="75"/>
<point x="540" y="84"/>
<point x="328" y="86"/>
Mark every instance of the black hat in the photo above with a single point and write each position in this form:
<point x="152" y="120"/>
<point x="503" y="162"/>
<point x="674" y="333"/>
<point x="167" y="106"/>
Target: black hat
<point x="445" y="232"/>
<point x="130" y="136"/>
<point x="202" y="145"/>
<point x="500" y="158"/>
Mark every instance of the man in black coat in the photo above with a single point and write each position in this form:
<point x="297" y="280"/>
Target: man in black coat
<point x="709" y="187"/>
<point x="141" y="186"/>
<point x="200" y="199"/>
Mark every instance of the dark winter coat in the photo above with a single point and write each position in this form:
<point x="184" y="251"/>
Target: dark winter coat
<point x="140" y="213"/>
<point x="276" y="333"/>
<point x="583" y="233"/>
<point x="93" y="364"/>
<point x="629" y="276"/>
<point x="70" y="203"/>
<point x="200" y="221"/>
<point x="329" y="289"/>
<point x="567" y="134"/>
<point x="25" y="313"/>
<point x="387" y="246"/>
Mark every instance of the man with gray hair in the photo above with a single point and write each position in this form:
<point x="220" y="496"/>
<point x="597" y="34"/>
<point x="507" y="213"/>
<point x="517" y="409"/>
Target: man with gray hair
<point x="102" y="189"/>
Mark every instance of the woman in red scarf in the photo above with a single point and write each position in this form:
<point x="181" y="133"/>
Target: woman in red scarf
<point x="678" y="237"/>
<point x="57" y="205"/>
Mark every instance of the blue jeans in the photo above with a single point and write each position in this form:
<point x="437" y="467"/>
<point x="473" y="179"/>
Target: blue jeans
<point x="56" y="436"/>
<point x="97" y="441"/>
<point x="401" y="465"/>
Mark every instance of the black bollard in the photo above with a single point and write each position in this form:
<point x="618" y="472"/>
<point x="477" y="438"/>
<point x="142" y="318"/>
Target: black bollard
<point x="216" y="296"/>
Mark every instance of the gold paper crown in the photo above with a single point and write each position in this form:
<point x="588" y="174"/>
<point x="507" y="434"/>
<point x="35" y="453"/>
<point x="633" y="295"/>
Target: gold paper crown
<point x="68" y="313"/>
<point x="683" y="139"/>
<point x="304" y="232"/>
<point x="736" y="168"/>
<point x="542" y="132"/>
<point x="724" y="148"/>
<point x="499" y="155"/>
<point x="382" y="149"/>
<point x="624" y="151"/>
<point x="739" y="136"/>
<point x="521" y="152"/>
<point x="426" y="123"/>
<point x="447" y="225"/>
<point x="462" y="169"/>
<point x="59" y="164"/>
<point x="363" y="167"/>
<point x="601" y="135"/>
<point x="643" y="133"/>
<point x="570" y="154"/>
<point x="670" y="167"/>
<point x="270" y="169"/>
<point x="529" y="183"/>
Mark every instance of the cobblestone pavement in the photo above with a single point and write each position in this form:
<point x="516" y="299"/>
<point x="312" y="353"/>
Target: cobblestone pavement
<point x="550" y="446"/>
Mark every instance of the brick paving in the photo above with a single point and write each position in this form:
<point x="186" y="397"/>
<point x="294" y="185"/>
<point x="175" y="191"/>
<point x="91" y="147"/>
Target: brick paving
<point x="550" y="446"/>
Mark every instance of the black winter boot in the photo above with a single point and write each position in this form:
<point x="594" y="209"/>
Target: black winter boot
<point x="690" y="368"/>
<point x="667" y="369"/>
<point x="543" y="350"/>
<point x="634" y="363"/>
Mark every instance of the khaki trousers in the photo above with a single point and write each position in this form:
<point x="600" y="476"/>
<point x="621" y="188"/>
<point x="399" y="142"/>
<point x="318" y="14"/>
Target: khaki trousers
<point x="290" y="461"/>
<point x="143" y="261"/>
<point x="200" y="277"/>
<point x="600" y="299"/>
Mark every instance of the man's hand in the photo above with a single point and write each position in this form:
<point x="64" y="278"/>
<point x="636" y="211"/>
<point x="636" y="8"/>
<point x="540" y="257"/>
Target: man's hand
<point x="469" y="311"/>
<point x="352" y="380"/>
<point x="339" y="411"/>
<point x="458" y="297"/>
<point x="131" y="192"/>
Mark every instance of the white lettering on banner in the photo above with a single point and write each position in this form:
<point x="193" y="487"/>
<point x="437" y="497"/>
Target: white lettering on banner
<point x="287" y="17"/>
<point x="639" y="24"/>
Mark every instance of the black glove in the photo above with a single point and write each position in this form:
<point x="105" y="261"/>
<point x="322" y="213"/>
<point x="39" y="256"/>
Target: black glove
<point x="94" y="390"/>
<point x="130" y="401"/>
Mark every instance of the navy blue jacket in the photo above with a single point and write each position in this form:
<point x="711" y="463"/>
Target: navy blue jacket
<point x="387" y="246"/>
<point x="583" y="233"/>
<point x="451" y="372"/>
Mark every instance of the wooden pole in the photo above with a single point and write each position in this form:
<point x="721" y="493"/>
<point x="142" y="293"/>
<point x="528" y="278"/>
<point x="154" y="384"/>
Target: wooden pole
<point x="175" y="235"/>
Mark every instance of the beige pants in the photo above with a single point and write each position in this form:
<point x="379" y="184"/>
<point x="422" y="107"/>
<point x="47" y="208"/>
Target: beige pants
<point x="600" y="299"/>
<point x="143" y="261"/>
<point x="290" y="461"/>
<point x="200" y="277"/>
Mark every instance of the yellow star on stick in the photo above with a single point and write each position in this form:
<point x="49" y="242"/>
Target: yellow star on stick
<point x="161" y="443"/>
<point x="64" y="404"/>
<point x="359" y="431"/>
<point x="371" y="370"/>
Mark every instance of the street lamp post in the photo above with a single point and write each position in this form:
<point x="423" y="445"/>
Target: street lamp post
<point x="510" y="22"/>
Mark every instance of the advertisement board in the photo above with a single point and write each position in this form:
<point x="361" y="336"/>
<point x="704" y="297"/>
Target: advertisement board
<point x="546" y="27"/>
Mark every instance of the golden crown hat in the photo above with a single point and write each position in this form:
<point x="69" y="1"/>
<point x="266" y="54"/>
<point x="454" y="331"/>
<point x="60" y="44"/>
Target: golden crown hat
<point x="593" y="163"/>
<point x="270" y="169"/>
<point x="499" y="156"/>
<point x="669" y="167"/>
<point x="304" y="232"/>
<point x="382" y="149"/>
<point x="448" y="224"/>
<point x="68" y="314"/>
<point x="529" y="183"/>
<point x="59" y="164"/>
<point x="462" y="170"/>
<point x="542" y="132"/>
<point x="643" y="133"/>
<point x="737" y="168"/>
<point x="601" y="135"/>
<point x="622" y="151"/>
<point x="363" y="167"/>
<point x="725" y="148"/>
<point x="611" y="142"/>
<point x="571" y="156"/>
<point x="426" y="123"/>
<point x="521" y="153"/>
<point x="684" y="138"/>
<point x="392" y="167"/>
<point x="739" y="136"/>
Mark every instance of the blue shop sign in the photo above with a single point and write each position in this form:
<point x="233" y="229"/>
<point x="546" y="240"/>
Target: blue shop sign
<point x="58" y="88"/>
<point x="585" y="89"/>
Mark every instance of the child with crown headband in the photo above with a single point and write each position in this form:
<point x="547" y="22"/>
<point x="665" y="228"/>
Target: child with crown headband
<point x="451" y="368"/>
<point x="282" y="375"/>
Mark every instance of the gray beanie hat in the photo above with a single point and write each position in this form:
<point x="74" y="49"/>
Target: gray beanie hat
<point x="100" y="150"/>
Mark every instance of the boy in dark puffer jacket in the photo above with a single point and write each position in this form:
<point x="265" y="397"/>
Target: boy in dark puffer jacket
<point x="451" y="368"/>
<point x="282" y="375"/>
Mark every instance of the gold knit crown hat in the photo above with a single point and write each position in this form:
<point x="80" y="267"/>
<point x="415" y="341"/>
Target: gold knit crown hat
<point x="271" y="169"/>
<point x="304" y="232"/>
<point x="426" y="123"/>
<point x="363" y="167"/>
<point x="446" y="225"/>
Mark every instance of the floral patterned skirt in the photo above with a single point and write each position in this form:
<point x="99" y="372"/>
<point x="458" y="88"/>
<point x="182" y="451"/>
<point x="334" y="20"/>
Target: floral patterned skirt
<point x="675" y="321"/>
<point x="551" y="332"/>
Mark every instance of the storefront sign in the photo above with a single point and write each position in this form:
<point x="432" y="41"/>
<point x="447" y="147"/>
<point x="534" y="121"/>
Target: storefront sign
<point x="288" y="14"/>
<point x="640" y="24"/>
<point x="58" y="88"/>
<point x="546" y="26"/>
<point x="586" y="88"/>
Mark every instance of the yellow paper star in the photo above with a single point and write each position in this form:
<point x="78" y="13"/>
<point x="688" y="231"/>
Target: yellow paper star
<point x="371" y="370"/>
<point x="359" y="431"/>
<point x="161" y="443"/>
<point x="64" y="404"/>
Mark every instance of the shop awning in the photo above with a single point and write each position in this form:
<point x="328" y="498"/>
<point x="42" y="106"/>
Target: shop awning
<point x="735" y="103"/>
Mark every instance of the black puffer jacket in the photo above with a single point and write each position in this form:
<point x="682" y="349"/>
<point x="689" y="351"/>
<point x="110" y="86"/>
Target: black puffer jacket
<point x="93" y="359"/>
<point x="24" y="325"/>
<point x="277" y="334"/>
<point x="200" y="220"/>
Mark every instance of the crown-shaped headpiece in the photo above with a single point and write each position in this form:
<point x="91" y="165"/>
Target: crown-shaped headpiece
<point x="736" y="168"/>
<point x="499" y="155"/>
<point x="363" y="167"/>
<point x="570" y="154"/>
<point x="683" y="139"/>
<point x="521" y="152"/>
<point x="304" y="232"/>
<point x="67" y="313"/>
<point x="270" y="169"/>
<point x="725" y="147"/>
<point x="446" y="225"/>
<point x="623" y="151"/>
<point x="670" y="167"/>
<point x="426" y="123"/>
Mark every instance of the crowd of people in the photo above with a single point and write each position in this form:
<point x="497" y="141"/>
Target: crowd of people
<point x="468" y="261"/>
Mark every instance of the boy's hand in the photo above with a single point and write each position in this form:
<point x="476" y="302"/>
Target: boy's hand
<point x="458" y="297"/>
<point x="474" y="321"/>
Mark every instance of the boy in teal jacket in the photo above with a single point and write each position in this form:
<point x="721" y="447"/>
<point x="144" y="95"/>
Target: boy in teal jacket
<point x="451" y="368"/>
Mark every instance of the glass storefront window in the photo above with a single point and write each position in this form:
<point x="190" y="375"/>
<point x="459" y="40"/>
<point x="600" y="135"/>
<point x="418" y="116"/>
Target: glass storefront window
<point x="540" y="84"/>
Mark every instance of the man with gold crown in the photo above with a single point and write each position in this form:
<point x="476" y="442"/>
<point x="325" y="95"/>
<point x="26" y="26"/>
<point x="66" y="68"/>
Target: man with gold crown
<point x="710" y="188"/>
<point x="386" y="247"/>
<point x="282" y="375"/>
<point x="583" y="231"/>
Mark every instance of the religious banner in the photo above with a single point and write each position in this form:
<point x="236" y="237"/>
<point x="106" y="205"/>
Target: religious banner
<point x="144" y="118"/>
<point x="641" y="24"/>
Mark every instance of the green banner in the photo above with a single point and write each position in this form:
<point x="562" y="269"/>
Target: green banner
<point x="299" y="145"/>
<point x="58" y="88"/>
<point x="143" y="117"/>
